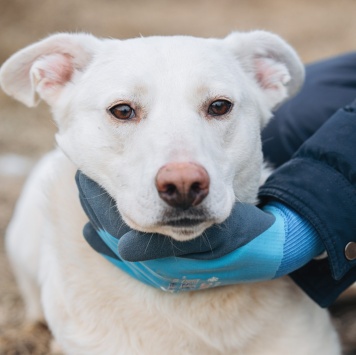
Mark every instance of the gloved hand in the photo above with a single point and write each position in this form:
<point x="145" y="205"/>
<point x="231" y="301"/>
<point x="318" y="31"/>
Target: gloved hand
<point x="251" y="245"/>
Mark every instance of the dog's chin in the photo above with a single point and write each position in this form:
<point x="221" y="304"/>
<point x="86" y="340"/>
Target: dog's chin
<point x="179" y="229"/>
<point x="185" y="232"/>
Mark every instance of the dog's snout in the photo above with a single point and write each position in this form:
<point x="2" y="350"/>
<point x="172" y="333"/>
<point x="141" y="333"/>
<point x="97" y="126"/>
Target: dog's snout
<point x="182" y="185"/>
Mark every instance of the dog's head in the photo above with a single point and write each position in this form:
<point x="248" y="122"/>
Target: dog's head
<point x="169" y="126"/>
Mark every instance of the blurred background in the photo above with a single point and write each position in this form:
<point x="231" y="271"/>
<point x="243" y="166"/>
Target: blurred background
<point x="316" y="28"/>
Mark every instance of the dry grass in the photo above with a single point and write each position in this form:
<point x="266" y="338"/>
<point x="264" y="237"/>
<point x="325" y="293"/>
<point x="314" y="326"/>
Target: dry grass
<point x="316" y="28"/>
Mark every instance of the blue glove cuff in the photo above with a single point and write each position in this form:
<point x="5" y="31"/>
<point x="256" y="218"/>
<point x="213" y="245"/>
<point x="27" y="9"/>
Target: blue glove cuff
<point x="302" y="243"/>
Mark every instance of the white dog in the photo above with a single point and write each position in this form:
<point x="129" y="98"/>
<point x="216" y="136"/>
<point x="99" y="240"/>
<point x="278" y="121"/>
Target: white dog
<point x="124" y="110"/>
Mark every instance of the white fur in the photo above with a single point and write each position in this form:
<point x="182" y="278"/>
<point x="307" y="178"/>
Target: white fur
<point x="91" y="306"/>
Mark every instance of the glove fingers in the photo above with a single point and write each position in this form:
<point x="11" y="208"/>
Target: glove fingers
<point x="136" y="246"/>
<point x="94" y="240"/>
<point x="100" y="206"/>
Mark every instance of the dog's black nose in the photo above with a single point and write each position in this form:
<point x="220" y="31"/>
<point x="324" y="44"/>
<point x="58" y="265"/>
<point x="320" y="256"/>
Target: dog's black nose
<point x="182" y="185"/>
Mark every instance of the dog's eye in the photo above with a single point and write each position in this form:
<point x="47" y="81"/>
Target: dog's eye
<point x="219" y="108"/>
<point x="122" y="112"/>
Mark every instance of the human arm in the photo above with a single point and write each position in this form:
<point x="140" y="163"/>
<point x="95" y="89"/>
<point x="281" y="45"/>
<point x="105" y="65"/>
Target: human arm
<point x="330" y="84"/>
<point x="319" y="183"/>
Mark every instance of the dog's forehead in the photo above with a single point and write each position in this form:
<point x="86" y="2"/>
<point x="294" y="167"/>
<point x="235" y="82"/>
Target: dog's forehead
<point x="174" y="65"/>
<point x="176" y="56"/>
<point x="166" y="48"/>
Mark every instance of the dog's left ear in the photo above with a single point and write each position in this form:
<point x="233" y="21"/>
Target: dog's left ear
<point x="270" y="61"/>
<point x="43" y="69"/>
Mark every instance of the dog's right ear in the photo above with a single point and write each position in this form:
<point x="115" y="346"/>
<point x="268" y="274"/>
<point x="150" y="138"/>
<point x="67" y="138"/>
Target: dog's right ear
<point x="44" y="68"/>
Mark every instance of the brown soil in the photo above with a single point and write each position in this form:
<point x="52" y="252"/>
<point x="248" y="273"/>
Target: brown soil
<point x="316" y="28"/>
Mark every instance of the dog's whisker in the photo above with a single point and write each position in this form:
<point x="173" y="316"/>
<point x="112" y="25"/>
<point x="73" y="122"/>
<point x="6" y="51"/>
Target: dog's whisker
<point x="112" y="206"/>
<point x="172" y="245"/>
<point x="268" y="140"/>
<point x="222" y="226"/>
<point x="149" y="241"/>
<point x="175" y="247"/>
<point x="205" y="237"/>
<point x="96" y="196"/>
<point x="121" y="225"/>
<point x="238" y="199"/>
<point x="109" y="208"/>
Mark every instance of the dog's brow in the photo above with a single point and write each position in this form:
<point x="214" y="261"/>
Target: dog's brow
<point x="140" y="89"/>
<point x="203" y="88"/>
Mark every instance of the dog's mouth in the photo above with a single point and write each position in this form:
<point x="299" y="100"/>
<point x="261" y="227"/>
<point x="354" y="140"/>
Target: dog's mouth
<point x="184" y="225"/>
<point x="183" y="222"/>
<point x="178" y="224"/>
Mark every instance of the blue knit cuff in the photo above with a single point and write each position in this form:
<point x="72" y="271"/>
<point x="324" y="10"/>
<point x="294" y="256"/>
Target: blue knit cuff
<point x="302" y="243"/>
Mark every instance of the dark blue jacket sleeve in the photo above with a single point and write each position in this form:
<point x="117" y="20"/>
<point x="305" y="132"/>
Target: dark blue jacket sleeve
<point x="319" y="182"/>
<point x="329" y="85"/>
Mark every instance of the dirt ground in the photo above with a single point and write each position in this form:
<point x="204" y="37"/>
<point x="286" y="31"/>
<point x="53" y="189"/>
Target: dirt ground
<point x="316" y="28"/>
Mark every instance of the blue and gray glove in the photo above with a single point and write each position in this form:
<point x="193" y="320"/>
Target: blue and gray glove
<point x="251" y="245"/>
